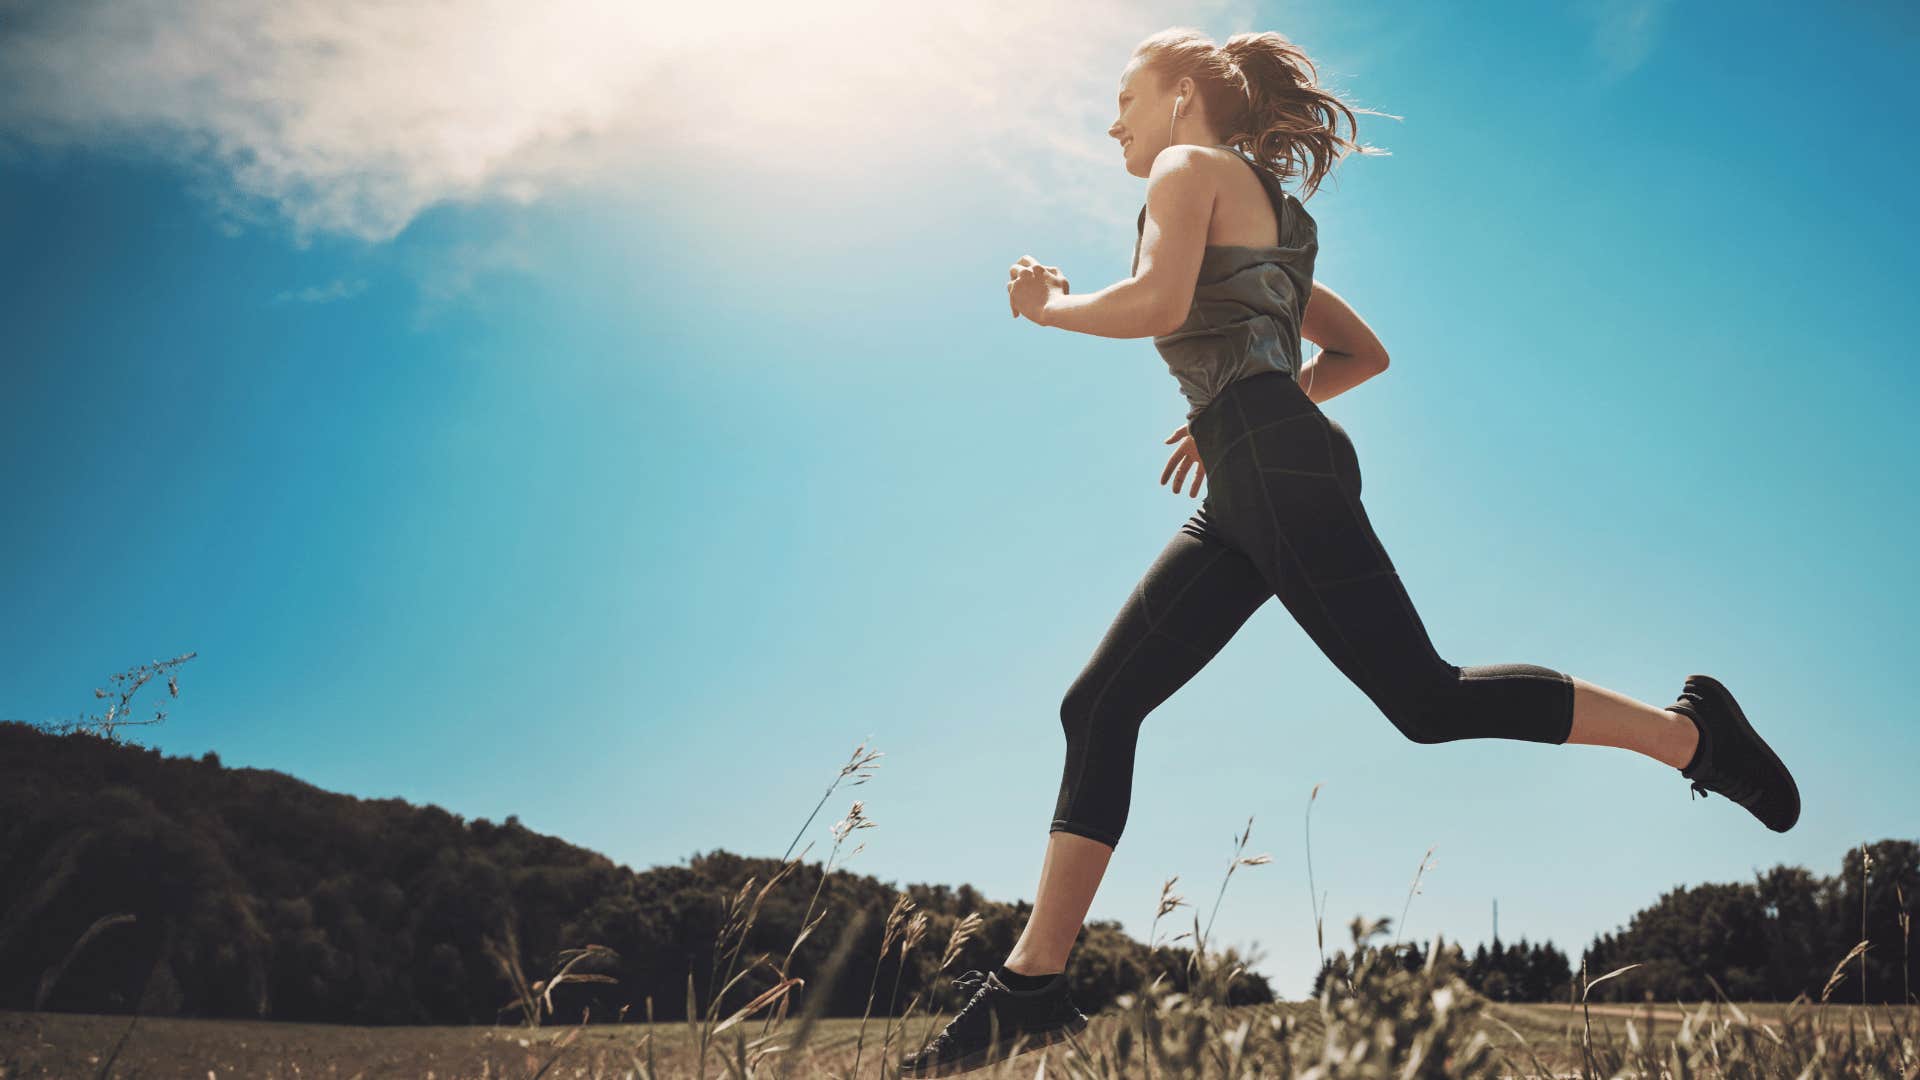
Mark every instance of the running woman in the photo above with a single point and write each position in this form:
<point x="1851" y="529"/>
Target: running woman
<point x="1222" y="280"/>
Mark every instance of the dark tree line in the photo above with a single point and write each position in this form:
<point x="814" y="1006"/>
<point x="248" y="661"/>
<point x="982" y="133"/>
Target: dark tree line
<point x="1776" y="937"/>
<point x="1772" y="940"/>
<point x="258" y="895"/>
<point x="1519" y="971"/>
<point x="1512" y="972"/>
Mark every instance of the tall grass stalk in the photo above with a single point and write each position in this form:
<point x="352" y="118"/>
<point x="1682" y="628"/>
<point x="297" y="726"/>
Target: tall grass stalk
<point x="1866" y="864"/>
<point x="1906" y="945"/>
<point x="916" y="929"/>
<point x="890" y="931"/>
<point x="861" y="766"/>
<point x="1425" y="865"/>
<point x="1236" y="861"/>
<point x="1316" y="899"/>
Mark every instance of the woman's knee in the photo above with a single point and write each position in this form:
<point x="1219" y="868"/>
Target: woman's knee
<point x="1081" y="712"/>
<point x="1435" y="710"/>
<point x="1485" y="701"/>
<point x="1097" y="780"/>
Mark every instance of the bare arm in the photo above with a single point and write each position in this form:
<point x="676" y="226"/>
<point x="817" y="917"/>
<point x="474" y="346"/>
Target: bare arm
<point x="1173" y="240"/>
<point x="1350" y="354"/>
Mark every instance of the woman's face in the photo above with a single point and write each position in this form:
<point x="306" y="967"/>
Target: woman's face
<point x="1146" y="112"/>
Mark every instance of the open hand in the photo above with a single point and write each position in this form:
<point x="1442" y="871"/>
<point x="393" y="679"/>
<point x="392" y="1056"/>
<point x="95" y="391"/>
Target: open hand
<point x="1185" y="456"/>
<point x="1030" y="284"/>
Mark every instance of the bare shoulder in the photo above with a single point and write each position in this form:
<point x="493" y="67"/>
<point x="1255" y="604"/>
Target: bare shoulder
<point x="1181" y="157"/>
<point x="1192" y="157"/>
<point x="1180" y="188"/>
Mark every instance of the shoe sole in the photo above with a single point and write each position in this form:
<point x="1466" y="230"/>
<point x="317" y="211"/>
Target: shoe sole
<point x="1732" y="708"/>
<point x="1028" y="1042"/>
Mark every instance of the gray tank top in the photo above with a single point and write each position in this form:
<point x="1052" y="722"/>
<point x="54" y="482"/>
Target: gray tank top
<point x="1247" y="303"/>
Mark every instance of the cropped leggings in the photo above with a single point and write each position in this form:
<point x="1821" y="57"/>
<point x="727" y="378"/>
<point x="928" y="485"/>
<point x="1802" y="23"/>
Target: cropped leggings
<point x="1281" y="516"/>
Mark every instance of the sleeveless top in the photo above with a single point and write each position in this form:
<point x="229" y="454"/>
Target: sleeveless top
<point x="1247" y="303"/>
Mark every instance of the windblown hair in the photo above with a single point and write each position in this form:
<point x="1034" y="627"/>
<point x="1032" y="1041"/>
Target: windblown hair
<point x="1264" y="91"/>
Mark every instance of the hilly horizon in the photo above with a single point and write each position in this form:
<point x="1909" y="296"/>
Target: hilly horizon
<point x="260" y="895"/>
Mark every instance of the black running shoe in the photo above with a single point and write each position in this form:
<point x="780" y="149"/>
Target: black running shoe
<point x="997" y="1023"/>
<point x="1733" y="760"/>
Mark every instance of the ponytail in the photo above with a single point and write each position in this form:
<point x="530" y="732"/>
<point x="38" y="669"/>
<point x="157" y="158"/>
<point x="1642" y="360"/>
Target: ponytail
<point x="1265" y="91"/>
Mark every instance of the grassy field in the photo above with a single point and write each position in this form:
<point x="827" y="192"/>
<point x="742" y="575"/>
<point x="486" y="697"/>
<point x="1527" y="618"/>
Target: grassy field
<point x="77" y="1045"/>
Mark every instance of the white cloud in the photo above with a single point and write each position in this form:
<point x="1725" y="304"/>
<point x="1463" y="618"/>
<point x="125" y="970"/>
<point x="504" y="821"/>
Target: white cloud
<point x="338" y="289"/>
<point x="353" y="116"/>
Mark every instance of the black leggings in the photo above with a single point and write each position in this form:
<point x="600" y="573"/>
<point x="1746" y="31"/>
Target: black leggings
<point x="1282" y="515"/>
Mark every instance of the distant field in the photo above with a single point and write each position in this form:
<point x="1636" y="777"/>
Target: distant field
<point x="76" y="1045"/>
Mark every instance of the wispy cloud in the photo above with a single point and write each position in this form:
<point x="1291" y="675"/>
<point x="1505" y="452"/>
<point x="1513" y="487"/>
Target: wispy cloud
<point x="1625" y="32"/>
<point x="353" y="116"/>
<point x="338" y="289"/>
<point x="445" y="274"/>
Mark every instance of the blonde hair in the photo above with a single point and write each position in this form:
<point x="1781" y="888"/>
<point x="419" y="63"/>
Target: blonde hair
<point x="1264" y="91"/>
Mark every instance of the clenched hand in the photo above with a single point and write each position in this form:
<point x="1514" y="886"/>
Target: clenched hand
<point x="1030" y="284"/>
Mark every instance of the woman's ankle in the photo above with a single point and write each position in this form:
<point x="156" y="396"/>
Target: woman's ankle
<point x="1686" y="740"/>
<point x="1022" y="965"/>
<point x="1024" y="980"/>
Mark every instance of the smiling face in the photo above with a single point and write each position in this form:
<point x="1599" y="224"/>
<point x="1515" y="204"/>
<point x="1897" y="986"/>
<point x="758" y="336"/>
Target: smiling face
<point x="1146" y="111"/>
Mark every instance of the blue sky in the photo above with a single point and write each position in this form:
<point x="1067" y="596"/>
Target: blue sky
<point x="622" y="463"/>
